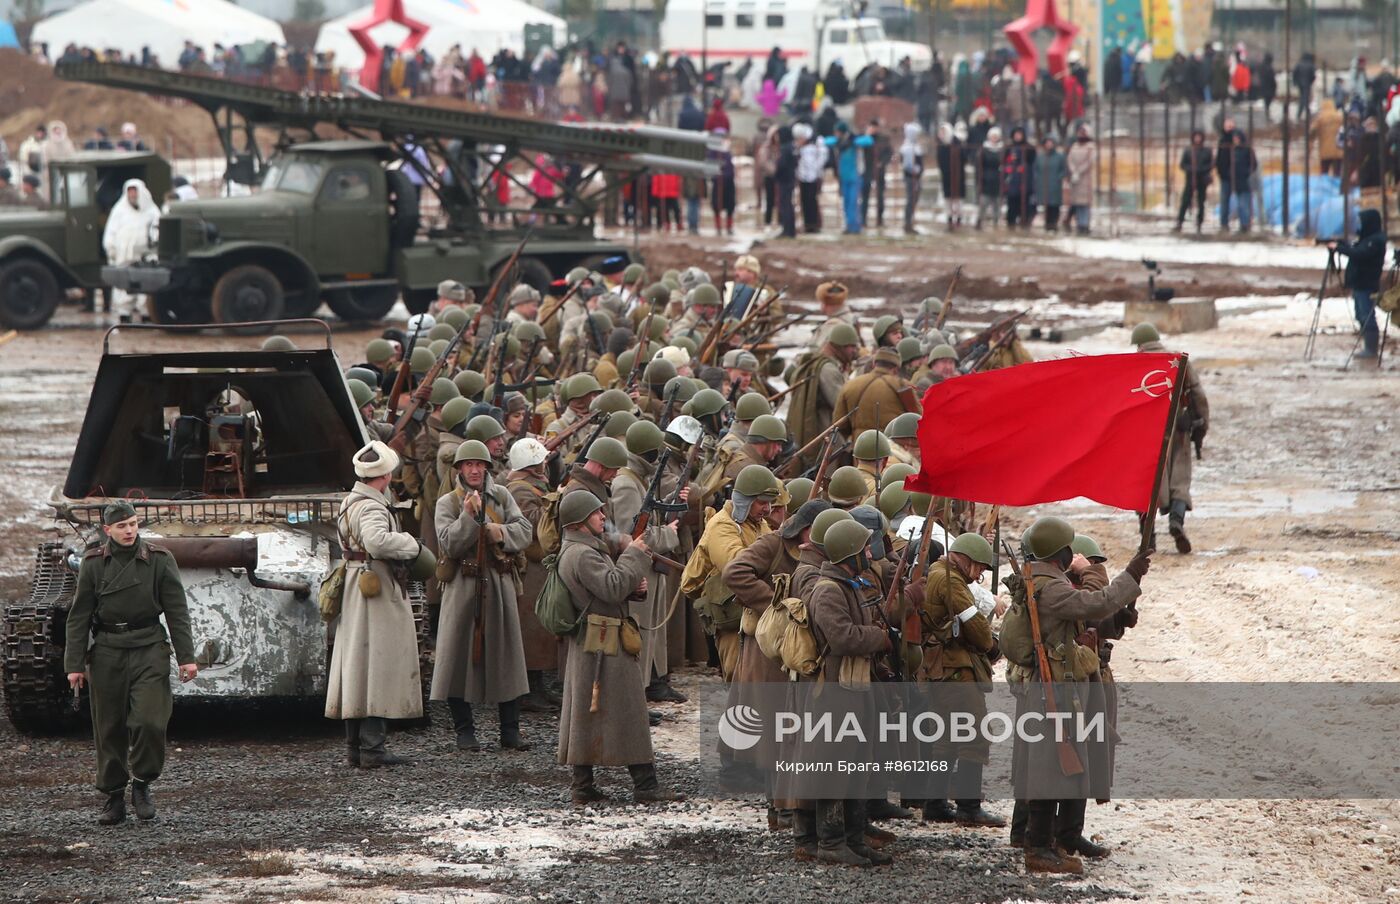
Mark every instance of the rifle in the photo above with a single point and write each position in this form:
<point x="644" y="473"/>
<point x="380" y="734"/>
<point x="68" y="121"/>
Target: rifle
<point x="894" y="608"/>
<point x="774" y="330"/>
<point x="643" y="342"/>
<point x="729" y="407"/>
<point x="823" y="464"/>
<point x="782" y="470"/>
<point x="483" y="584"/>
<point x="592" y="437"/>
<point x="777" y="397"/>
<point x="1069" y="757"/>
<point x="498" y="394"/>
<point x="489" y="301"/>
<point x="754" y="311"/>
<point x="401" y="378"/>
<point x="711" y="340"/>
<point x="668" y="401"/>
<point x="948" y="299"/>
<point x="573" y="290"/>
<point x="558" y="439"/>
<point x="976" y="348"/>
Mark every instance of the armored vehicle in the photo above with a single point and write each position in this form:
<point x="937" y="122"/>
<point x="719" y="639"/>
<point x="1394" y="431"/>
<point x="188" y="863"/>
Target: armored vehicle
<point x="236" y="461"/>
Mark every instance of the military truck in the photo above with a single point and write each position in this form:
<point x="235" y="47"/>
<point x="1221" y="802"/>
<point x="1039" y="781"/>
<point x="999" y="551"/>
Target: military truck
<point x="236" y="461"/>
<point x="405" y="202"/>
<point x="44" y="254"/>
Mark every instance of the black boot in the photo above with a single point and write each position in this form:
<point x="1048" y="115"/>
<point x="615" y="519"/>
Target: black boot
<point x="463" y="724"/>
<point x="804" y="833"/>
<point x="114" y="810"/>
<point x="833" y="845"/>
<point x="549" y="689"/>
<point x="646" y="789"/>
<point x="881" y="808"/>
<point x="352" y="743"/>
<point x="939" y="811"/>
<point x="660" y="691"/>
<point x="141" y="800"/>
<point x="373" y="732"/>
<point x="510" y="727"/>
<point x="535" y="701"/>
<point x="583" y="788"/>
<point x="1083" y="847"/>
<point x="1176" y="525"/>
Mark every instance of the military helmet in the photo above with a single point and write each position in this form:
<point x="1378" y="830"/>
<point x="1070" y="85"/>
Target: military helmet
<point x="443" y="389"/>
<point x="527" y="331"/>
<point x="364" y="375"/>
<point x="703" y="295"/>
<point x="423" y="565"/>
<point x="612" y="400"/>
<point x="607" y="452"/>
<point x="278" y="344"/>
<point x="905" y="426"/>
<point x="419" y="324"/>
<point x="682" y="387"/>
<point x="658" y="371"/>
<point x="644" y="437"/>
<point x="602" y="322"/>
<point x="469" y="383"/>
<point x="685" y="428"/>
<point x="686" y="343"/>
<point x="932" y="306"/>
<point x="846" y="539"/>
<point x="936" y="337"/>
<point x="867" y="515"/>
<point x="843" y="334"/>
<point x="455" y="317"/>
<point x="455" y="412"/>
<point x="871" y="445"/>
<point x="800" y="489"/>
<point x="884" y="324"/>
<point x="894" y="475"/>
<point x="421" y="360"/>
<point x="626" y="360"/>
<point x="1087" y="547"/>
<point x="523" y="294"/>
<point x="378" y="351"/>
<point x="671" y="274"/>
<point x="756" y="480"/>
<point x="578" y="274"/>
<point x="657" y="294"/>
<point x="441" y="331"/>
<point x="943" y="351"/>
<point x="619" y="422"/>
<point x="577" y="506"/>
<point x="437" y="347"/>
<point x="894" y="498"/>
<point x="767" y="428"/>
<point x="823" y="522"/>
<point x="1047" y="536"/>
<point x="658" y="327"/>
<point x="847" y="487"/>
<point x="578" y="386"/>
<point x="484" y="427"/>
<point x="707" y="402"/>
<point x="910" y="348"/>
<point x="472" y="450"/>
<point x="527" y="453"/>
<point x="1144" y="333"/>
<point x="750" y="406"/>
<point x="360" y="392"/>
<point x="511" y="345"/>
<point x="633" y="273"/>
<point x="975" y="547"/>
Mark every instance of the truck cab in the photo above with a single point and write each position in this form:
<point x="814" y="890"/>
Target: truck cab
<point x="858" y="43"/>
<point x="44" y="253"/>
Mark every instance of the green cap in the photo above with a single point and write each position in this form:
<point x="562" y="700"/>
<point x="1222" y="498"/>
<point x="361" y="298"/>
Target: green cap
<point x="847" y="486"/>
<point x="443" y="331"/>
<point x="364" y="375"/>
<point x="633" y="273"/>
<point x="895" y="474"/>
<point x="644" y="437"/>
<point x="909" y="349"/>
<point x="843" y="334"/>
<point x="1087" y="547"/>
<point x="278" y="344"/>
<point x="117" y="512"/>
<point x="472" y="450"/>
<point x="756" y="481"/>
<point x="905" y="426"/>
<point x="379" y="351"/>
<point x="883" y="325"/>
<point x="894" y="498"/>
<point x="800" y="489"/>
<point x="619" y="422"/>
<point x="469" y="383"/>
<point x="706" y="402"/>
<point x="454" y="317"/>
<point x="845" y="539"/>
<point x="578" y="386"/>
<point x="421" y="361"/>
<point x="658" y="371"/>
<point x="360" y="392"/>
<point x="871" y="445"/>
<point x="613" y="400"/>
<point x="943" y="351"/>
<point x="703" y="295"/>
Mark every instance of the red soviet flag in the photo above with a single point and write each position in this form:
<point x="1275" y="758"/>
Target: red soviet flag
<point x="1050" y="430"/>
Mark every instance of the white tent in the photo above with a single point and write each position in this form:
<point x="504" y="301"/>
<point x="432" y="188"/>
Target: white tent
<point x="162" y="25"/>
<point x="487" y="25"/>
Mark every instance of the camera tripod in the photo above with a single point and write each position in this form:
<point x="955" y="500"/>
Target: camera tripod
<point x="1327" y="276"/>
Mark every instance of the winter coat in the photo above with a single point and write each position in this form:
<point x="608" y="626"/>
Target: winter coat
<point x="1079" y="178"/>
<point x="952" y="169"/>
<point x="989" y="160"/>
<point x="874" y="399"/>
<point x="1017" y="173"/>
<point x="1176" y="482"/>
<point x="1366" y="255"/>
<point x="374" y="663"/>
<point x="1050" y="171"/>
<point x="1197" y="163"/>
<point x="840" y="623"/>
<point x="723" y="540"/>
<point x="629" y="489"/>
<point x="541" y="647"/>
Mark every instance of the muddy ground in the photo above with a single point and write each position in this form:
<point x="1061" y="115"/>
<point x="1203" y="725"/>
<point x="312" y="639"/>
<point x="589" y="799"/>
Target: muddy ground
<point x="1296" y="519"/>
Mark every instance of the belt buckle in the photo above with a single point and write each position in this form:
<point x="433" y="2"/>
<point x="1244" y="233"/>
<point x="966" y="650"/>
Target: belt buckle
<point x="119" y="626"/>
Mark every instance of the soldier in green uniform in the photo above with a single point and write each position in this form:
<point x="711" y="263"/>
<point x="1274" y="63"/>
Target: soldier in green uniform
<point x="124" y="585"/>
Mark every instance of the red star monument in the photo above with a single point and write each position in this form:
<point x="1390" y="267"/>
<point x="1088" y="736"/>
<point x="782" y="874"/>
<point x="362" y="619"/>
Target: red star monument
<point x="384" y="11"/>
<point x="1040" y="14"/>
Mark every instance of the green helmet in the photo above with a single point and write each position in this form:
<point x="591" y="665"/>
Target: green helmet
<point x="364" y="375"/>
<point x="847" y="487"/>
<point x="511" y="345"/>
<point x="442" y="331"/>
<point x="484" y="427"/>
<point x="1087" y="547"/>
<point x="975" y="547"/>
<point x="871" y="445"/>
<point x="1047" y="536"/>
<point x="756" y="480"/>
<point x="613" y="400"/>
<point x="751" y="405"/>
<point x="800" y="489"/>
<point x="443" y="390"/>
<point x="455" y="412"/>
<point x="575" y="507"/>
<point x="884" y="324"/>
<point x="843" y="334"/>
<point x="619" y="422"/>
<point x="644" y="437"/>
<point x="845" y="539"/>
<point x="671" y="274"/>
<point x="607" y="452"/>
<point x="421" y="361"/>
<point x="933" y="306"/>
<point x="469" y="383"/>
<point x="706" y="402"/>
<point x="919" y="502"/>
<point x="423" y="565"/>
<point x="578" y="386"/>
<point x="633" y="273"/>
<point x="577" y="274"/>
<point x="658" y="371"/>
<point x="527" y="332"/>
<point x="1144" y="333"/>
<point x="378" y="351"/>
<point x="626" y="360"/>
<point x="437" y="347"/>
<point x="909" y="348"/>
<point x="935" y="337"/>
<point x="472" y="450"/>
<point x="657" y="294"/>
<point x="602" y="322"/>
<point x="766" y="428"/>
<point x="454" y="317"/>
<point x="703" y="295"/>
<point x="823" y="522"/>
<point x="943" y="351"/>
<point x="905" y="426"/>
<point x="682" y="387"/>
<point x="894" y="475"/>
<point x="686" y="343"/>
<point x="659" y="325"/>
<point x="278" y="344"/>
<point x="360" y="392"/>
<point x="894" y="498"/>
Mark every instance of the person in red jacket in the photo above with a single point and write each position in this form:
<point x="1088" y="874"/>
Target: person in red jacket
<point x="1074" y="99"/>
<point x="717" y="118"/>
<point x="666" y="189"/>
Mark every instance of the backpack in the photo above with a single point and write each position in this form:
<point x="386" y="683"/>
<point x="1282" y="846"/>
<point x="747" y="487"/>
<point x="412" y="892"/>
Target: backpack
<point x="787" y="639"/>
<point x="554" y="607"/>
<point x="547" y="529"/>
<point x="1017" y="644"/>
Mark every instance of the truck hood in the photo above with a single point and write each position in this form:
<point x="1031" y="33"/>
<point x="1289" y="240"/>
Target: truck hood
<point x="26" y="220"/>
<point x="919" y="54"/>
<point x="269" y="205"/>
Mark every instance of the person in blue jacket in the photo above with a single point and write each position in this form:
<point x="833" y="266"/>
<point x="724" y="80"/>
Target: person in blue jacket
<point x="1365" y="261"/>
<point x="847" y="150"/>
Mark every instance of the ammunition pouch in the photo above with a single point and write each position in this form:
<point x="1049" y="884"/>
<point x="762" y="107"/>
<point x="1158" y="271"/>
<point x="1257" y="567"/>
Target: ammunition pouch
<point x="718" y="609"/>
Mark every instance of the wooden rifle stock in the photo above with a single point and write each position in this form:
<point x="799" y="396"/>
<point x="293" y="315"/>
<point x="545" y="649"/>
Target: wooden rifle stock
<point x="779" y="396"/>
<point x="483" y="584"/>
<point x="796" y="457"/>
<point x="558" y="439"/>
<point x="948" y="299"/>
<point x="1069" y="757"/>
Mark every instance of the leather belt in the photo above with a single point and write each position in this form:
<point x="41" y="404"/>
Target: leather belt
<point x="125" y="627"/>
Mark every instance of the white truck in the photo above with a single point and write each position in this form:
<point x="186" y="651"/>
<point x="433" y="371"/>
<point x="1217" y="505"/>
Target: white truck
<point x="811" y="33"/>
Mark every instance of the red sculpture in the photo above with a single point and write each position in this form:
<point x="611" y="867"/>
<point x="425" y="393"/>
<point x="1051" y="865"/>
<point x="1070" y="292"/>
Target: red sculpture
<point x="1040" y="14"/>
<point x="384" y="11"/>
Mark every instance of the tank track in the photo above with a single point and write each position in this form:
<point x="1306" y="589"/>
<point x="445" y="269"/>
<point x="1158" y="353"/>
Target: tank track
<point x="37" y="698"/>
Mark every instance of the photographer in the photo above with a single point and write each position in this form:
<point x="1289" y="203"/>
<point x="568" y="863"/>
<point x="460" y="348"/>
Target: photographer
<point x="1365" y="260"/>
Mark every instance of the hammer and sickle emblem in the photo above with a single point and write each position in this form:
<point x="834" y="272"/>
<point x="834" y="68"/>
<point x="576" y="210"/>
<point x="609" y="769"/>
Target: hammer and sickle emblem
<point x="1155" y="383"/>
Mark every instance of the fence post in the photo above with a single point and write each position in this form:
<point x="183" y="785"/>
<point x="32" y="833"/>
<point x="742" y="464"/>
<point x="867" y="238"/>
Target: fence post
<point x="1142" y="151"/>
<point x="1307" y="165"/>
<point x="1113" y="163"/>
<point x="1167" y="148"/>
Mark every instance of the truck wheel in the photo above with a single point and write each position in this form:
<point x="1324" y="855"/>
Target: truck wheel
<point x="29" y="294"/>
<point x="177" y="307"/>
<point x="419" y="300"/>
<point x="247" y="293"/>
<point x="364" y="304"/>
<point x="532" y="271"/>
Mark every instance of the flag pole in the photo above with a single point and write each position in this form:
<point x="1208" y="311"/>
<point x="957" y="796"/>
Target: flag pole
<point x="1149" y="518"/>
